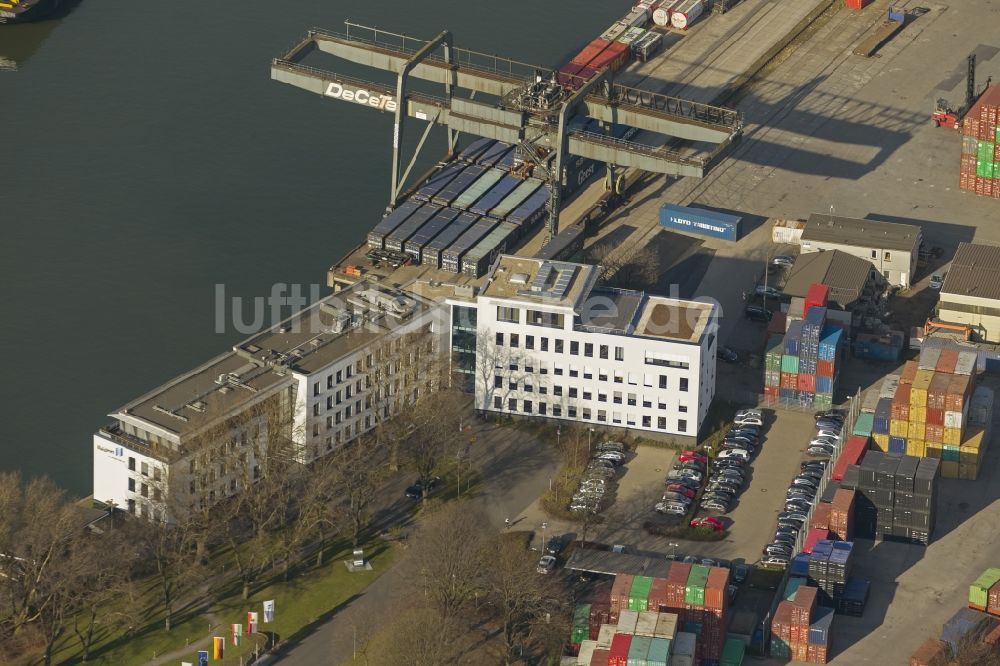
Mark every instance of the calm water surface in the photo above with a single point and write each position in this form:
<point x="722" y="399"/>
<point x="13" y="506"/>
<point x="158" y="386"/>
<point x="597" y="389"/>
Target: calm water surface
<point x="147" y="157"/>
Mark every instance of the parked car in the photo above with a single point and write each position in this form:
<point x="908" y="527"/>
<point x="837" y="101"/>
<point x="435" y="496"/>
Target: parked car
<point x="740" y="572"/>
<point x="671" y="508"/>
<point x="740" y="454"/>
<point x="758" y="314"/>
<point x="616" y="447"/>
<point x="793" y="515"/>
<point x="555" y="545"/>
<point x="804" y="482"/>
<point x="813" y="464"/>
<point x="831" y="414"/>
<point x="421" y="488"/>
<point x="677" y="498"/>
<point x="546" y="565"/>
<point x="728" y="355"/>
<point x="798" y="505"/>
<point x="749" y="419"/>
<point x="679" y="489"/>
<point x="689" y="473"/>
<point x="786" y="538"/>
<point x="937" y="280"/>
<point x="611" y="456"/>
<point x="779" y="549"/>
<point x="829" y="423"/>
<point x="715" y="505"/>
<point x="783" y="260"/>
<point x="748" y="411"/>
<point x="709" y="521"/>
<point x="820" y="451"/>
<point x="688" y="483"/>
<point x="775" y="561"/>
<point x="692" y="455"/>
<point x="828" y="434"/>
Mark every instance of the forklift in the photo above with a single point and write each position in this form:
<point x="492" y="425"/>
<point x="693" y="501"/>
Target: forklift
<point x="944" y="115"/>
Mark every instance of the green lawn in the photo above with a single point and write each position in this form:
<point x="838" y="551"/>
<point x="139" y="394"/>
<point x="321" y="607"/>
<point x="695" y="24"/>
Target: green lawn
<point x="311" y="595"/>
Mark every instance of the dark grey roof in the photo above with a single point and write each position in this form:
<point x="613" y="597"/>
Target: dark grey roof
<point x="610" y="308"/>
<point x="975" y="271"/>
<point x="845" y="274"/>
<point x="822" y="227"/>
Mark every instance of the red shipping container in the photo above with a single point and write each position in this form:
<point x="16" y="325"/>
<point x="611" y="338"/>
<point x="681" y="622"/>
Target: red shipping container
<point x="618" y="654"/>
<point x="657" y="594"/>
<point x="937" y="390"/>
<point x="807" y="383"/>
<point x="620" y="591"/>
<point x="909" y="372"/>
<point x="959" y="390"/>
<point x="934" y="433"/>
<point x="816" y="654"/>
<point x="601" y="657"/>
<point x="615" y="57"/>
<point x="771" y="392"/>
<point x="814" y="535"/>
<point x="855" y="4"/>
<point x="826" y="368"/>
<point x="789" y="380"/>
<point x="947" y="360"/>
<point x="677" y="584"/>
<point x="935" y="417"/>
<point x="566" y="76"/>
<point x="901" y="403"/>
<point x="716" y="590"/>
<point x="854" y="451"/>
<point x="994" y="599"/>
<point x="800" y="651"/>
<point x="816" y="296"/>
<point x="821" y="517"/>
<point x="930" y="653"/>
<point x="590" y="51"/>
<point x="842" y="514"/>
<point x="804" y="604"/>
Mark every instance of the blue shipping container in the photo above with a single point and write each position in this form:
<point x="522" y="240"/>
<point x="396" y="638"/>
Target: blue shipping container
<point x="857" y="589"/>
<point x="800" y="565"/>
<point x="700" y="221"/>
<point x="824" y="384"/>
<point x="960" y="624"/>
<point x="897" y="445"/>
<point x="819" y="628"/>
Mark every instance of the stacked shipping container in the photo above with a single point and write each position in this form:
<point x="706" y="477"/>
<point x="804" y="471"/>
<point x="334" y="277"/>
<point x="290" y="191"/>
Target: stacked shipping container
<point x="800" y="629"/>
<point x="980" y="163"/>
<point x="896" y="496"/>
<point x="984" y="592"/>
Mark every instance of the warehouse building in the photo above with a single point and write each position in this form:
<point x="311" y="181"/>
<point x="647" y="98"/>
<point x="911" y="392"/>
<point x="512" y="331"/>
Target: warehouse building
<point x="317" y="380"/>
<point x="970" y="294"/>
<point x="891" y="248"/>
<point x="552" y="343"/>
<point x="855" y="286"/>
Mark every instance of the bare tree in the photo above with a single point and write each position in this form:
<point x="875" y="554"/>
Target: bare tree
<point x="167" y="548"/>
<point x="627" y="266"/>
<point x="103" y="586"/>
<point x="357" y="471"/>
<point x="419" y="638"/>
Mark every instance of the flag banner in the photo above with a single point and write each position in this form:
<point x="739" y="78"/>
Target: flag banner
<point x="251" y="623"/>
<point x="202" y="657"/>
<point x="186" y="663"/>
<point x="218" y="647"/>
<point x="269" y="611"/>
<point x="237" y="633"/>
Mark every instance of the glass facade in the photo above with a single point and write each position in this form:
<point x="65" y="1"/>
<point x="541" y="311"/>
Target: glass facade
<point x="463" y="347"/>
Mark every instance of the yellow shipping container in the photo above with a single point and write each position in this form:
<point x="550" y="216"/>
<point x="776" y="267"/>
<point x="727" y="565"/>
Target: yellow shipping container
<point x="949" y="469"/>
<point x="898" y="428"/>
<point x="918" y="414"/>
<point x="969" y="456"/>
<point x="915" y="447"/>
<point x="918" y="391"/>
<point x="968" y="472"/>
<point x="916" y="430"/>
<point x="953" y="436"/>
<point x="932" y="450"/>
<point x="881" y="441"/>
<point x="974" y="439"/>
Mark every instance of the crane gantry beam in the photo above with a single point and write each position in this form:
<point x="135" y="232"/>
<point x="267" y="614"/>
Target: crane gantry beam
<point x="527" y="108"/>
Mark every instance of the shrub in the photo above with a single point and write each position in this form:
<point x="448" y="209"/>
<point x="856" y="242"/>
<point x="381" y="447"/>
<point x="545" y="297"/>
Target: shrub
<point x="682" y="530"/>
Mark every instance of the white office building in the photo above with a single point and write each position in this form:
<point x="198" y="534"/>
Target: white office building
<point x="551" y="343"/>
<point x="322" y="378"/>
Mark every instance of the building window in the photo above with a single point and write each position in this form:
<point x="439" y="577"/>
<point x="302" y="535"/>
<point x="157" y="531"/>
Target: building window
<point x="559" y="346"/>
<point x="527" y="406"/>
<point x="632" y="399"/>
<point x="616" y="417"/>
<point x="586" y="413"/>
<point x="541" y="408"/>
<point x="684" y="384"/>
<point x="316" y="388"/>
<point x="887" y="256"/>
<point x="510" y="315"/>
<point x="547" y="319"/>
<point x="556" y="410"/>
<point x="572" y="391"/>
<point x="131" y="484"/>
<point x="529" y="342"/>
<point x="499" y="340"/>
<point x="144" y="490"/>
<point x="619" y="353"/>
<point x="648" y="404"/>
<point x="571" y="412"/>
<point x="588" y="349"/>
<point x="316" y="409"/>
<point x="497" y="402"/>
<point x="156" y="494"/>
<point x="588" y="373"/>
<point x="647" y="421"/>
<point x="682" y="408"/>
<point x="131" y="464"/>
<point x="512" y="367"/>
<point x="602" y="415"/>
<point x="544" y="344"/>
<point x="340" y="374"/>
<point x="663" y="381"/>
<point x="557" y="370"/>
<point x="498" y="382"/>
<point x="661" y="422"/>
<point x="528" y="388"/>
<point x="145" y="469"/>
<point x="617" y="397"/>
<point x="633" y="379"/>
<point x="586" y="395"/>
<point x="574" y="372"/>
<point x="874" y="254"/>
<point x="682" y="425"/>
<point x="543" y="390"/>
<point x="602" y="375"/>
<point x="602" y="397"/>
<point x="574" y="348"/>
<point x="512" y="404"/>
<point x="603" y="351"/>
<point x="515" y="340"/>
<point x="618" y="377"/>
<point x="557" y="390"/>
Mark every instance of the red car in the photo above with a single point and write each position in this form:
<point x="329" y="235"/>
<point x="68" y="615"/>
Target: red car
<point x="678" y="488"/>
<point x="708" y="521"/>
<point x="692" y="455"/>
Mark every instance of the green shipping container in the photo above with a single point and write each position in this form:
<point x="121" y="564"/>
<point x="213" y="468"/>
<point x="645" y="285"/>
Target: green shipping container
<point x="998" y="134"/>
<point x="694" y="593"/>
<point x="985" y="169"/>
<point x="639" y="650"/>
<point x="863" y="426"/>
<point x="951" y="453"/>
<point x="794" y="583"/>
<point x="789" y="363"/>
<point x="979" y="590"/>
<point x="779" y="648"/>
<point x="639" y="594"/>
<point x="984" y="152"/>
<point x="581" y="623"/>
<point x="659" y="652"/>
<point x="732" y="652"/>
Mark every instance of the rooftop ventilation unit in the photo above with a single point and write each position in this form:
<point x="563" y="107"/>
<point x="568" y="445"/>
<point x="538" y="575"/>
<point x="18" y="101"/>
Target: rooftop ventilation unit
<point x="519" y="278"/>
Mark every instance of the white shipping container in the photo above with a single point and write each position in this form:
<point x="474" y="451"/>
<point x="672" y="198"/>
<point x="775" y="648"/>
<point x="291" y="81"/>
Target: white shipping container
<point x="586" y="652"/>
<point x="605" y="635"/>
<point x="614" y="32"/>
<point x="787" y="232"/>
<point x="646" y="625"/>
<point x="662" y="14"/>
<point x="686" y="14"/>
<point x="889" y="386"/>
<point x="953" y="419"/>
<point x="666" y="626"/>
<point x="637" y="18"/>
<point x="627" y="620"/>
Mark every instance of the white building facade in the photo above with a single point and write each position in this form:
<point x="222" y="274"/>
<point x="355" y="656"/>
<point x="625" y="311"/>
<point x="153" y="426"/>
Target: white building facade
<point x="551" y="344"/>
<point x="892" y="248"/>
<point x="317" y="381"/>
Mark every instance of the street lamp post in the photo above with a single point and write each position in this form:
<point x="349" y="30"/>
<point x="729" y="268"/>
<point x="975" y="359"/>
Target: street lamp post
<point x="544" y="525"/>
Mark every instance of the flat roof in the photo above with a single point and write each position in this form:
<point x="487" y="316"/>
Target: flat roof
<point x="558" y="283"/>
<point x="823" y="227"/>
<point x="610" y="308"/>
<point x="310" y="340"/>
<point x="845" y="274"/>
<point x="673" y="319"/>
<point x="975" y="271"/>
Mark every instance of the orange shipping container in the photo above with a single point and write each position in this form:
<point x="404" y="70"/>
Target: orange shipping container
<point x="677" y="584"/>
<point x="937" y="389"/>
<point x="958" y="390"/>
<point x="821" y="517"/>
<point x="946" y="362"/>
<point x="909" y="372"/>
<point x="657" y="594"/>
<point x="619" y="592"/>
<point x="933" y="433"/>
<point x="901" y="403"/>
<point x="935" y="417"/>
<point x="716" y="588"/>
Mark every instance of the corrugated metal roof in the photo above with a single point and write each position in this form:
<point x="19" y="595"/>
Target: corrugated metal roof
<point x="975" y="271"/>
<point x="846" y="275"/>
<point x="822" y="227"/>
